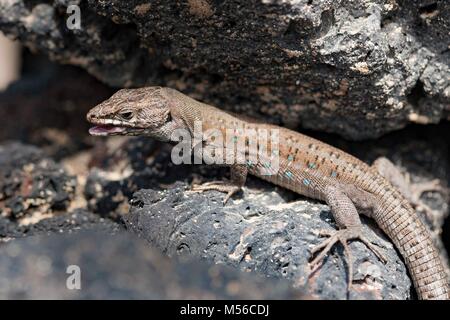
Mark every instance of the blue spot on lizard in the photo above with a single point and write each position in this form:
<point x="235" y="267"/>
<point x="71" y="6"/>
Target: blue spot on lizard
<point x="289" y="175"/>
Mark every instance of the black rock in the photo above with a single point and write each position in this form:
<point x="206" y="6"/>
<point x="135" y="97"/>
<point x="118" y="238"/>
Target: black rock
<point x="120" y="267"/>
<point x="32" y="184"/>
<point x="356" y="68"/>
<point x="264" y="234"/>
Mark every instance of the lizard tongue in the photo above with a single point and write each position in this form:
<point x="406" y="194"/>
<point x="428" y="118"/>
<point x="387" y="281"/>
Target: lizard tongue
<point x="102" y="130"/>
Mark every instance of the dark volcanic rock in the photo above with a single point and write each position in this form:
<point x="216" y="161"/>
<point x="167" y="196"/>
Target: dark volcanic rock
<point x="263" y="233"/>
<point x="32" y="184"/>
<point x="68" y="222"/>
<point x="36" y="195"/>
<point x="358" y="68"/>
<point x="120" y="267"/>
<point x="168" y="218"/>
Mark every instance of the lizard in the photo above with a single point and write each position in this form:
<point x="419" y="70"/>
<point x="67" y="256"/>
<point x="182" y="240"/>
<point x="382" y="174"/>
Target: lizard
<point x="306" y="166"/>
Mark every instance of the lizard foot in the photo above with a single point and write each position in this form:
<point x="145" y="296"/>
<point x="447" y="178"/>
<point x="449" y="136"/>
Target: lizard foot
<point x="343" y="236"/>
<point x="222" y="186"/>
<point x="416" y="192"/>
<point x="418" y="189"/>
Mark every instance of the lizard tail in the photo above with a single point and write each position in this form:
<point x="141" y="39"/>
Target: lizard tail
<point x="400" y="222"/>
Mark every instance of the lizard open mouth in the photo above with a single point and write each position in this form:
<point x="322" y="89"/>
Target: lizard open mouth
<point x="105" y="130"/>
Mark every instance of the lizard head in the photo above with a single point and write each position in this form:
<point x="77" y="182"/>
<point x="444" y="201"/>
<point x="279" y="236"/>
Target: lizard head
<point x="143" y="111"/>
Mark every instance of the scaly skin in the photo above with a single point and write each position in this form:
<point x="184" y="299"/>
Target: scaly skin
<point x="306" y="166"/>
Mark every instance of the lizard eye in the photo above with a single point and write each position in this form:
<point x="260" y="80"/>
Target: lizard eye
<point x="127" y="115"/>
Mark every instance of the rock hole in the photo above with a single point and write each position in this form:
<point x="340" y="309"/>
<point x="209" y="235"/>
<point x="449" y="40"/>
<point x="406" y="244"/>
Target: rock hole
<point x="137" y="203"/>
<point x="428" y="10"/>
<point x="368" y="55"/>
<point x="291" y="29"/>
<point x="327" y="21"/>
<point x="183" y="248"/>
<point x="385" y="22"/>
<point x="246" y="256"/>
<point x="417" y="92"/>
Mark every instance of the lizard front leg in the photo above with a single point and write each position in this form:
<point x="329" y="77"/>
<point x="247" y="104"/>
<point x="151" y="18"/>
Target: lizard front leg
<point x="350" y="228"/>
<point x="238" y="175"/>
<point x="412" y="192"/>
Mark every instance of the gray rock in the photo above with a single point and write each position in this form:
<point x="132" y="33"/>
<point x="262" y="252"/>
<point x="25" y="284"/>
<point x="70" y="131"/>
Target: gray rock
<point x="121" y="267"/>
<point x="65" y="223"/>
<point x="357" y="68"/>
<point x="264" y="234"/>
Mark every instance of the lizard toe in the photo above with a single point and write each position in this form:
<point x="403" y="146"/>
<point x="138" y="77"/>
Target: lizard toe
<point x="221" y="186"/>
<point x="342" y="236"/>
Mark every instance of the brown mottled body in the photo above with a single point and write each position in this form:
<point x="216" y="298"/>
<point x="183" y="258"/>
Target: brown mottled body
<point x="306" y="166"/>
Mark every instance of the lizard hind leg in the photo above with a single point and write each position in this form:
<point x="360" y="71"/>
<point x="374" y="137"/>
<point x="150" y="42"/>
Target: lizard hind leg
<point x="347" y="219"/>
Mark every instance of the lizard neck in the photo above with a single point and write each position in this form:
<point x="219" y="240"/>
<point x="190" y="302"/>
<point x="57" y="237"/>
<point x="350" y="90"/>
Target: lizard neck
<point x="188" y="111"/>
<point x="185" y="110"/>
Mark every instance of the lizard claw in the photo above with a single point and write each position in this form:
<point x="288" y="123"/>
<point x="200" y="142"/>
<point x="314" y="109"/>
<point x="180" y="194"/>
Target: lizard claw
<point x="222" y="186"/>
<point x="326" y="233"/>
<point x="210" y="183"/>
<point x="342" y="236"/>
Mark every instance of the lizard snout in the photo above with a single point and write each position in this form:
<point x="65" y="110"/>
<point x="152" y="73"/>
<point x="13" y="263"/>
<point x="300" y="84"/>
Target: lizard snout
<point x="90" y="116"/>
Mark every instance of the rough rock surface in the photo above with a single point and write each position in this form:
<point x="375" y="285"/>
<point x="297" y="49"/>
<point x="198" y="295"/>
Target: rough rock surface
<point x="65" y="223"/>
<point x="32" y="184"/>
<point x="264" y="234"/>
<point x="36" y="195"/>
<point x="357" y="68"/>
<point x="121" y="267"/>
